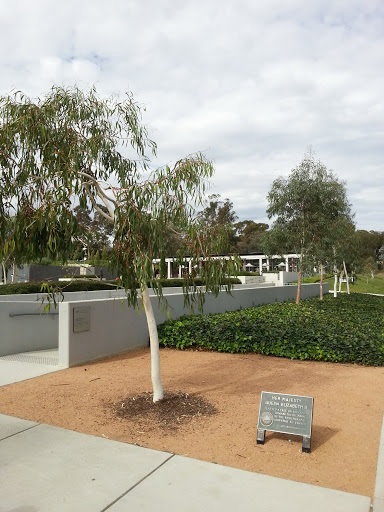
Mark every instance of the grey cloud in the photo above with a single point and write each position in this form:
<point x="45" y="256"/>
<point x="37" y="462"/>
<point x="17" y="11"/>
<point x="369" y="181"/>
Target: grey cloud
<point x="251" y="83"/>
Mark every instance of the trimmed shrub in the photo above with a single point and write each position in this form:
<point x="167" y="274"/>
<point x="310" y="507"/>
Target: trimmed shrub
<point x="73" y="286"/>
<point x="173" y="283"/>
<point x="348" y="329"/>
<point x="81" y="284"/>
<point x="316" y="279"/>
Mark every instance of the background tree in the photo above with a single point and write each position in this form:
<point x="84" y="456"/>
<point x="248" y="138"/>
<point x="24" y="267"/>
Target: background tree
<point x="336" y="250"/>
<point x="83" y="240"/>
<point x="73" y="146"/>
<point x="249" y="236"/>
<point x="220" y="215"/>
<point x="304" y="207"/>
<point x="94" y="234"/>
<point x="102" y="229"/>
<point x="368" y="267"/>
<point x="381" y="257"/>
<point x="369" y="245"/>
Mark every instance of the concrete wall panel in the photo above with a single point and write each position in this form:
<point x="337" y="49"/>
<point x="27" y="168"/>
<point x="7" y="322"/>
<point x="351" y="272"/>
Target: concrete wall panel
<point x="113" y="328"/>
<point x="24" y="327"/>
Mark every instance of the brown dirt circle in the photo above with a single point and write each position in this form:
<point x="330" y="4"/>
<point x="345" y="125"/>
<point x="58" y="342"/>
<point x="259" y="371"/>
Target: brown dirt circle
<point x="220" y="425"/>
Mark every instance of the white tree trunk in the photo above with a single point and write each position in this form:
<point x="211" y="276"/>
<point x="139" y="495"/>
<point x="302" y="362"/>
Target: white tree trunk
<point x="158" y="392"/>
<point x="340" y="279"/>
<point x="335" y="286"/>
<point x="346" y="277"/>
<point x="299" y="279"/>
<point x="321" y="280"/>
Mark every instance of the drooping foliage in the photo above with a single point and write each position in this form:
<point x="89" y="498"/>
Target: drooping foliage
<point x="74" y="148"/>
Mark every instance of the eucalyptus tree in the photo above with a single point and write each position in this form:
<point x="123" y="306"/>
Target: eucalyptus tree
<point x="336" y="250"/>
<point x="75" y="147"/>
<point x="305" y="205"/>
<point x="220" y="214"/>
<point x="96" y="231"/>
<point x="249" y="236"/>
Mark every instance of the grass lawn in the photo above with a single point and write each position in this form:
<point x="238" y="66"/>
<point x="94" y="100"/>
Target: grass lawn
<point x="362" y="284"/>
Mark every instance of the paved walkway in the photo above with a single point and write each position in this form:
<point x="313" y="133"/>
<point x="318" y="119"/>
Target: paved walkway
<point x="18" y="367"/>
<point x="45" y="468"/>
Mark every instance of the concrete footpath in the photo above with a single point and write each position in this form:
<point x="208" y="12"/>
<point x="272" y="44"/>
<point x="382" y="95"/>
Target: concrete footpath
<point x="27" y="365"/>
<point x="45" y="469"/>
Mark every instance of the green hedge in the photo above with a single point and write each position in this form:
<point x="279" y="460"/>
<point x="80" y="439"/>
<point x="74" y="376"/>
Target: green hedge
<point x="73" y="286"/>
<point x="168" y="283"/>
<point x="85" y="285"/>
<point x="349" y="328"/>
<point x="316" y="279"/>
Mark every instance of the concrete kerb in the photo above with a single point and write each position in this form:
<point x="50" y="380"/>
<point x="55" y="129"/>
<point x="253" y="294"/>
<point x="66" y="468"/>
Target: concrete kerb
<point x="378" y="498"/>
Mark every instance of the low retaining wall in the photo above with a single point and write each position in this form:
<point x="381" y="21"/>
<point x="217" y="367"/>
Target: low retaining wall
<point x="280" y="278"/>
<point x="24" y="327"/>
<point x="252" y="280"/>
<point x="114" y="328"/>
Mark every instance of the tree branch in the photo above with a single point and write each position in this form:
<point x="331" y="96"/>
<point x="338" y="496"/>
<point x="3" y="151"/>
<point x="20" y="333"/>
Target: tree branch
<point x="97" y="185"/>
<point x="92" y="199"/>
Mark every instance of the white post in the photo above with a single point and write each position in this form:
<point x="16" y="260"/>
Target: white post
<point x="169" y="269"/>
<point x="346" y="277"/>
<point x="179" y="271"/>
<point x="190" y="267"/>
<point x="286" y="264"/>
<point x="261" y="265"/>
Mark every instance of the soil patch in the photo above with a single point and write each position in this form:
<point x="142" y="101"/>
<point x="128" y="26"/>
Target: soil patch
<point x="169" y="414"/>
<point x="347" y="414"/>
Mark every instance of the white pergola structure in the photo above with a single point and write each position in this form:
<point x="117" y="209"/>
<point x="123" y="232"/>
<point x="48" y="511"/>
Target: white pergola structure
<point x="251" y="262"/>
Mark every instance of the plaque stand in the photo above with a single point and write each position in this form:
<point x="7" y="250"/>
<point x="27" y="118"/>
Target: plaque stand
<point x="260" y="436"/>
<point x="306" y="446"/>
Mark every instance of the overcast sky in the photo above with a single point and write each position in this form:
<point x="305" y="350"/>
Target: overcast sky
<point x="251" y="83"/>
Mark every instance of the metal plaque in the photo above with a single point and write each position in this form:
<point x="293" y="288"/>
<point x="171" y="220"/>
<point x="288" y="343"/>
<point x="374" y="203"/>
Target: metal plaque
<point x="81" y="318"/>
<point x="288" y="414"/>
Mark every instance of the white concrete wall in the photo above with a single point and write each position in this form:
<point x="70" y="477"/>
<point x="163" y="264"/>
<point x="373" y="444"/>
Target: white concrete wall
<point x="73" y="296"/>
<point x="272" y="278"/>
<point x="115" y="328"/>
<point x="241" y="298"/>
<point x="251" y="279"/>
<point x="288" y="277"/>
<point x="24" y="327"/>
<point x="281" y="278"/>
